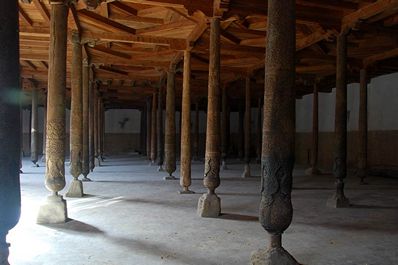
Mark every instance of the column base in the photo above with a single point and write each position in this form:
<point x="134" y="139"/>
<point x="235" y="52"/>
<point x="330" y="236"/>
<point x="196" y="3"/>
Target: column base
<point x="246" y="173"/>
<point x="272" y="256"/>
<point x="186" y="191"/>
<point x="209" y="205"/>
<point x="160" y="169"/>
<point x="43" y="159"/>
<point x="97" y="162"/>
<point x="35" y="164"/>
<point x="338" y="201"/>
<point x="312" y="171"/>
<point x="4" y="252"/>
<point x="54" y="211"/>
<point x="171" y="177"/>
<point x="75" y="189"/>
<point x="224" y="165"/>
<point x="86" y="179"/>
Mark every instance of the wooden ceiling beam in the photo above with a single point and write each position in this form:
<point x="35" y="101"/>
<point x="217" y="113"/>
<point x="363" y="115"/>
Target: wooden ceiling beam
<point x="43" y="10"/>
<point x="25" y="16"/>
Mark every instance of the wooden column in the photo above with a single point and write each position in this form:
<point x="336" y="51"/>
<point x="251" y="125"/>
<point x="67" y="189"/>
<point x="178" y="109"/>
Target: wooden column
<point x="363" y="126"/>
<point x="209" y="204"/>
<point x="185" y="170"/>
<point x="170" y="132"/>
<point x="153" y="129"/>
<point x="277" y="159"/>
<point x="196" y="133"/>
<point x="34" y="132"/>
<point x="338" y="200"/>
<point x="86" y="120"/>
<point x="97" y="126"/>
<point x="159" y="127"/>
<point x="224" y="145"/>
<point x="54" y="211"/>
<point x="102" y="132"/>
<point x="241" y="131"/>
<point x="43" y="158"/>
<point x="148" y="128"/>
<point x="143" y="132"/>
<point x="76" y="118"/>
<point x="247" y="133"/>
<point x="91" y="124"/>
<point x="313" y="170"/>
<point x="259" y="132"/>
<point x="10" y="125"/>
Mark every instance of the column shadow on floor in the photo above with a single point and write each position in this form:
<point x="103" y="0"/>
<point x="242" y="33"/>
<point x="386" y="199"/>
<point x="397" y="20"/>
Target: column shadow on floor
<point x="75" y="226"/>
<point x="239" y="217"/>
<point x="363" y="206"/>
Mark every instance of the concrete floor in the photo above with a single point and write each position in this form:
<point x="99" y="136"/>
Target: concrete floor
<point x="132" y="216"/>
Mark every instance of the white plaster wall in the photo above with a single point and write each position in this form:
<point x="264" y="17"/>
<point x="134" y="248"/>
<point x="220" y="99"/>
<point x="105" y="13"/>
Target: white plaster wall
<point x="114" y="117"/>
<point x="382" y="107"/>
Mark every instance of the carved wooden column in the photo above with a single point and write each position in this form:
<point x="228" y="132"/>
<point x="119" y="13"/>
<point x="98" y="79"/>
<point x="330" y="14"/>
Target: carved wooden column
<point x="10" y="125"/>
<point x="247" y="133"/>
<point x="363" y="126"/>
<point x="43" y="158"/>
<point x="91" y="124"/>
<point x="224" y="111"/>
<point x="153" y="129"/>
<point x="159" y="127"/>
<point x="277" y="163"/>
<point x="241" y="131"/>
<point x="86" y="120"/>
<point x="185" y="170"/>
<point x="148" y="128"/>
<point x="338" y="200"/>
<point x="259" y="132"/>
<point x="97" y="126"/>
<point x="170" y="132"/>
<point x="76" y="118"/>
<point x="209" y="204"/>
<point x="102" y="132"/>
<point x="196" y="133"/>
<point x="34" y="132"/>
<point x="54" y="210"/>
<point x="313" y="170"/>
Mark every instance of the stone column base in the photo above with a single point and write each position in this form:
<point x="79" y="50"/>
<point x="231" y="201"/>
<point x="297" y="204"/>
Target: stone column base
<point x="160" y="169"/>
<point x="209" y="205"/>
<point x="171" y="177"/>
<point x="86" y="179"/>
<point x="75" y="189"/>
<point x="53" y="211"/>
<point x="186" y="191"/>
<point x="312" y="171"/>
<point x="224" y="165"/>
<point x="338" y="201"/>
<point x="246" y="173"/>
<point x="272" y="256"/>
<point x="97" y="162"/>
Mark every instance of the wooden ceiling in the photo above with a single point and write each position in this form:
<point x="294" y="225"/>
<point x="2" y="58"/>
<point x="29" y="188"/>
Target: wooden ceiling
<point x="132" y="43"/>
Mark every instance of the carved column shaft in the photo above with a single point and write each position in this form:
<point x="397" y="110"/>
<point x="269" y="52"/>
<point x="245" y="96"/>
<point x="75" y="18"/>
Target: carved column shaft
<point x="212" y="157"/>
<point x="315" y="129"/>
<point x="43" y="159"/>
<point x="247" y="120"/>
<point x="96" y="119"/>
<point x="91" y="124"/>
<point x="259" y="132"/>
<point x="277" y="159"/>
<point x="148" y="128"/>
<point x="153" y="128"/>
<point x="224" y="108"/>
<point x="76" y="114"/>
<point x="159" y="126"/>
<point x="241" y="131"/>
<point x="363" y="125"/>
<point x="185" y="170"/>
<point x="143" y="133"/>
<point x="196" y="133"/>
<point x="170" y="132"/>
<point x="10" y="126"/>
<point x="34" y="133"/>
<point x="86" y="121"/>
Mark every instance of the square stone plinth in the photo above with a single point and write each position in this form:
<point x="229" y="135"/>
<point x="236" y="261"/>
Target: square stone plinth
<point x="75" y="189"/>
<point x="272" y="256"/>
<point x="53" y="211"/>
<point x="209" y="205"/>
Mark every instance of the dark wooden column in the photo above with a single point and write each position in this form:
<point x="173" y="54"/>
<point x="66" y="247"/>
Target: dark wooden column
<point x="143" y="132"/>
<point x="76" y="118"/>
<point x="102" y="141"/>
<point x="196" y="133"/>
<point x="209" y="204"/>
<point x="34" y="132"/>
<point x="185" y="170"/>
<point x="97" y="100"/>
<point x="313" y="170"/>
<point x="54" y="210"/>
<point x="241" y="131"/>
<point x="91" y="124"/>
<point x="246" y="172"/>
<point x="43" y="158"/>
<point x="159" y="127"/>
<point x="224" y="122"/>
<point x="153" y="129"/>
<point x="277" y="159"/>
<point x="338" y="200"/>
<point x="363" y="127"/>
<point x="10" y="125"/>
<point x="170" y="130"/>
<point x="259" y="132"/>
<point x="148" y="128"/>
<point x="86" y="120"/>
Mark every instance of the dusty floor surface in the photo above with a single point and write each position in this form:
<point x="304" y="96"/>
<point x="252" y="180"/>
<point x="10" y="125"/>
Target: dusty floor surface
<point x="132" y="216"/>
